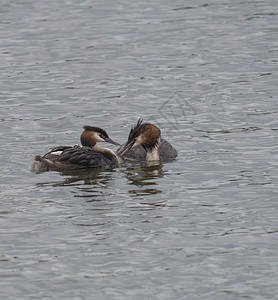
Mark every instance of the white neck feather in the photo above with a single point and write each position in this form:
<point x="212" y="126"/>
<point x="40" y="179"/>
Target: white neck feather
<point x="155" y="153"/>
<point x="105" y="150"/>
<point x="101" y="149"/>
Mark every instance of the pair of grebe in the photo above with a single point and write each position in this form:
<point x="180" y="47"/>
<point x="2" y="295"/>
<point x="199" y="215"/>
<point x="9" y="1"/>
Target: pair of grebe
<point x="144" y="143"/>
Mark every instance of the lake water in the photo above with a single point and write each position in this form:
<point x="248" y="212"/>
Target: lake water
<point x="201" y="227"/>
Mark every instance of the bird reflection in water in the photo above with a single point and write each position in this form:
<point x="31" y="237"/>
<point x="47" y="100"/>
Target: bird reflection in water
<point x="92" y="185"/>
<point x="99" y="187"/>
<point x="144" y="176"/>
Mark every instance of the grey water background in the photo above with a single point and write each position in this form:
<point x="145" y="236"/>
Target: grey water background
<point x="201" y="227"/>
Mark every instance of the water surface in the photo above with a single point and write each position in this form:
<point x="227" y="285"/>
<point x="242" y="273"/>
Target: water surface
<point x="201" y="227"/>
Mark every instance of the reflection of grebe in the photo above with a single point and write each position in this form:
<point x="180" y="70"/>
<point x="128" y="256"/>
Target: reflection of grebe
<point x="145" y="143"/>
<point x="63" y="158"/>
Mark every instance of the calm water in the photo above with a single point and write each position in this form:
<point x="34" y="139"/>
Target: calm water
<point x="201" y="227"/>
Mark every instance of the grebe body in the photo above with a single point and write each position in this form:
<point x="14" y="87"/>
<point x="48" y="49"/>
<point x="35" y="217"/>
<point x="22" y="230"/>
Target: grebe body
<point x="63" y="158"/>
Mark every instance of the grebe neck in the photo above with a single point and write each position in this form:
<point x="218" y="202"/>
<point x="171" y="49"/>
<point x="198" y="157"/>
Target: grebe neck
<point x="108" y="153"/>
<point x="154" y="153"/>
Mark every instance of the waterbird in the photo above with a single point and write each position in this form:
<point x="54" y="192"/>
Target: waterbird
<point x="144" y="143"/>
<point x="89" y="155"/>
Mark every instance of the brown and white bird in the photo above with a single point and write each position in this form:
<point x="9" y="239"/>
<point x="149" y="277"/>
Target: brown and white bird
<point x="145" y="143"/>
<point x="90" y="155"/>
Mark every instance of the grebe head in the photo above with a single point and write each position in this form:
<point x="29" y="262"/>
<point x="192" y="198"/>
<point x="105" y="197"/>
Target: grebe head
<point x="91" y="135"/>
<point x="144" y="134"/>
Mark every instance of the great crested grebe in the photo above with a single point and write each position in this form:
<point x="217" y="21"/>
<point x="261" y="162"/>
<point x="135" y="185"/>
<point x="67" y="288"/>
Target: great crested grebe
<point x="90" y="155"/>
<point x="145" y="143"/>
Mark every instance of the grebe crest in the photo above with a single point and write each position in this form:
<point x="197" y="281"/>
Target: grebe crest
<point x="144" y="134"/>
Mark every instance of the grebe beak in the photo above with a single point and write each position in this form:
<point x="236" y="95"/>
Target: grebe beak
<point x="108" y="140"/>
<point x="123" y="150"/>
